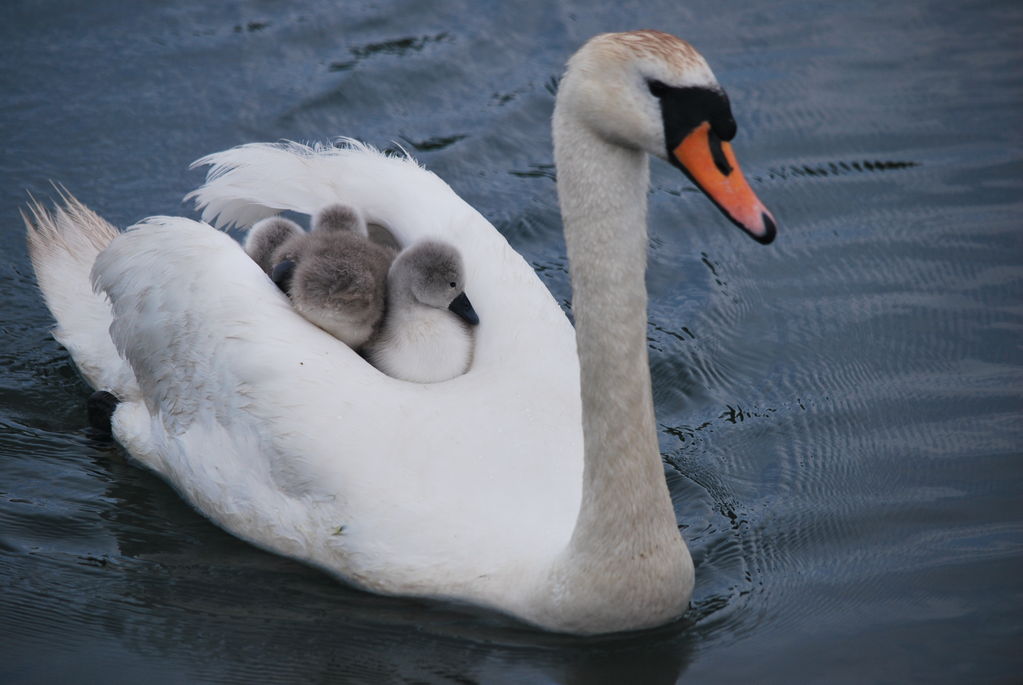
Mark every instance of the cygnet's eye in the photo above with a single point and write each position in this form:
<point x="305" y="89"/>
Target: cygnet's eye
<point x="657" y="88"/>
<point x="452" y="284"/>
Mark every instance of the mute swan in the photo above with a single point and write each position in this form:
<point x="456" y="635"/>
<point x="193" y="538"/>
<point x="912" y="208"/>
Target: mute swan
<point x="425" y="335"/>
<point x="335" y="276"/>
<point x="532" y="484"/>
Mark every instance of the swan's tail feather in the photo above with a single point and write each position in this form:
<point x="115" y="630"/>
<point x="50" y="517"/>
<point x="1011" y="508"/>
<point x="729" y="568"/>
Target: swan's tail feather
<point x="63" y="244"/>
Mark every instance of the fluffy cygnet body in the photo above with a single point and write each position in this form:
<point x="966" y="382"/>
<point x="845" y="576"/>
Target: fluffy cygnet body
<point x="335" y="276"/>
<point x="426" y="334"/>
<point x="411" y="312"/>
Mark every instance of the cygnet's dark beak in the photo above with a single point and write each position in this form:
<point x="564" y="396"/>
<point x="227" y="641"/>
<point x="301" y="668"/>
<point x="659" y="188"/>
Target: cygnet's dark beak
<point x="281" y="275"/>
<point x="463" y="308"/>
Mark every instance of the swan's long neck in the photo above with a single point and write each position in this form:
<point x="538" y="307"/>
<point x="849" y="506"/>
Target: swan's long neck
<point x="603" y="196"/>
<point x="626" y="563"/>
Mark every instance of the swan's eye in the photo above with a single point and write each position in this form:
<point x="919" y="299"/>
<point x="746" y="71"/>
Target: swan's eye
<point x="657" y="88"/>
<point x="452" y="284"/>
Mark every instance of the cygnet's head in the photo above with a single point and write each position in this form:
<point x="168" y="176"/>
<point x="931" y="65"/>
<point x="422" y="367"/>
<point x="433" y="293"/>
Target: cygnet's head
<point x="267" y="236"/>
<point x="338" y="217"/>
<point x="431" y="273"/>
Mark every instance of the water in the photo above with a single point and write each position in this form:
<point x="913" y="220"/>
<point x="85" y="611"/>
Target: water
<point x="839" y="412"/>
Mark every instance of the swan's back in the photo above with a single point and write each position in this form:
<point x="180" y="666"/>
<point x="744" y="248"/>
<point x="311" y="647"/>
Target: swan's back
<point x="524" y="325"/>
<point x="288" y="438"/>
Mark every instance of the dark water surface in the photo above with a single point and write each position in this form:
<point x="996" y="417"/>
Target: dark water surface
<point x="840" y="412"/>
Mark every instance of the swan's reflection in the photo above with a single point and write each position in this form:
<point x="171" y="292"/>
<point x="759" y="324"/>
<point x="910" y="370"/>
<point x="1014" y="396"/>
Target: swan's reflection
<point x="217" y="608"/>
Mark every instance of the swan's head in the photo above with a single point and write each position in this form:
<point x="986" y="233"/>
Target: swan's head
<point x="267" y="237"/>
<point x="651" y="91"/>
<point x="431" y="273"/>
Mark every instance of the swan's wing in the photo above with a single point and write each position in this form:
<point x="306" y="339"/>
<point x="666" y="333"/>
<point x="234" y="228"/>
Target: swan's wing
<point x="232" y="401"/>
<point x="285" y="436"/>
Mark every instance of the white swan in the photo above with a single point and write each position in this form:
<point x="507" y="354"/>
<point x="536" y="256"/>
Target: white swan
<point x="498" y="487"/>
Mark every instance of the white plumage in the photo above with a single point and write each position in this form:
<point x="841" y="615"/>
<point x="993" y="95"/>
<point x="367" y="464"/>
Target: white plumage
<point x="284" y="435"/>
<point x="477" y="488"/>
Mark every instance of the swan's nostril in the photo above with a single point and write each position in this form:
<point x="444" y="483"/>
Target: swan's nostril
<point x="717" y="153"/>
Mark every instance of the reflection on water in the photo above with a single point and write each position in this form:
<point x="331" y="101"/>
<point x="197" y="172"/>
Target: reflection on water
<point x="838" y="412"/>
<point x="840" y="168"/>
<point x="160" y="581"/>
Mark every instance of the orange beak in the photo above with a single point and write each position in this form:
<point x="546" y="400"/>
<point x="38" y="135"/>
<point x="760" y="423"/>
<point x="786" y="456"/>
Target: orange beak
<point x="710" y="164"/>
